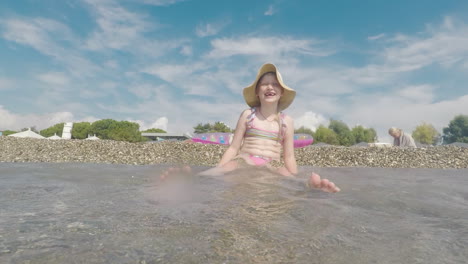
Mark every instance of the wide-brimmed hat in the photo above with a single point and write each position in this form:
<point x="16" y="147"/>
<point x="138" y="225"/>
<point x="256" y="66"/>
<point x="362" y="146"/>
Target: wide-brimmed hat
<point x="288" y="94"/>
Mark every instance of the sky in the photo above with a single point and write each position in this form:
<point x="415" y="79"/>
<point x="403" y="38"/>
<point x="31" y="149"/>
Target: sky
<point x="173" y="64"/>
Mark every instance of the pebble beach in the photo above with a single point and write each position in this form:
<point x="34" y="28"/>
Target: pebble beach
<point x="184" y="152"/>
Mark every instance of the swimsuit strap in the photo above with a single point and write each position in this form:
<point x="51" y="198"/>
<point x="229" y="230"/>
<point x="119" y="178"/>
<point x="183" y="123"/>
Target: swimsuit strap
<point x="251" y="117"/>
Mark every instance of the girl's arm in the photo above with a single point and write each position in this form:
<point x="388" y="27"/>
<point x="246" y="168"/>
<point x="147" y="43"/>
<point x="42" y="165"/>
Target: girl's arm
<point x="236" y="143"/>
<point x="288" y="146"/>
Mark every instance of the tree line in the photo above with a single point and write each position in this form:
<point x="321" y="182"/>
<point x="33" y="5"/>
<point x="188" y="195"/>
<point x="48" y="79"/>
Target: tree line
<point x="103" y="129"/>
<point x="210" y="128"/>
<point x="336" y="133"/>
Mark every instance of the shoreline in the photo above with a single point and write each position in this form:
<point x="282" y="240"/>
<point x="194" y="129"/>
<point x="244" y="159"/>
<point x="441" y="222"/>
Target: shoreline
<point x="176" y="152"/>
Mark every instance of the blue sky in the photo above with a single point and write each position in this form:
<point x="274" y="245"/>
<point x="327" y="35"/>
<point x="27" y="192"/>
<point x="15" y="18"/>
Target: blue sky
<point x="173" y="64"/>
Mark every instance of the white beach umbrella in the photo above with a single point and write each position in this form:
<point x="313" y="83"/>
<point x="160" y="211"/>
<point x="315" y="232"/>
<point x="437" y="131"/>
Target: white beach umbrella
<point x="92" y="138"/>
<point x="27" y="134"/>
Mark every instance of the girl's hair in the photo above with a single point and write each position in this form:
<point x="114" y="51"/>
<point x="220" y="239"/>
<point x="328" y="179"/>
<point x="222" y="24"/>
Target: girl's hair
<point x="277" y="117"/>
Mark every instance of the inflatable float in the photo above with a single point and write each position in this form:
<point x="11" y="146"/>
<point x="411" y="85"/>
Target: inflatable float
<point x="300" y="140"/>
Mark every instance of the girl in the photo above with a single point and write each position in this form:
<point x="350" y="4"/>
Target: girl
<point x="263" y="131"/>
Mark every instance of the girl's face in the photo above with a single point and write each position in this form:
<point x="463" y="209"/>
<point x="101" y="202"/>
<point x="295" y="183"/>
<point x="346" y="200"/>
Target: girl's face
<point x="269" y="89"/>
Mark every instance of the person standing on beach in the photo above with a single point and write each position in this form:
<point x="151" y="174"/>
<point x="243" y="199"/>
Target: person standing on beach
<point x="401" y="139"/>
<point x="263" y="132"/>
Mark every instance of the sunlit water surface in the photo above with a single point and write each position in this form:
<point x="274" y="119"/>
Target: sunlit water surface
<point x="90" y="213"/>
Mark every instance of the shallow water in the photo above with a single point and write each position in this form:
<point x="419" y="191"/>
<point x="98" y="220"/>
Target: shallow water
<point x="90" y="213"/>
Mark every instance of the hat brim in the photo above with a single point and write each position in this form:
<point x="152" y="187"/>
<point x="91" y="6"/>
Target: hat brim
<point x="251" y="98"/>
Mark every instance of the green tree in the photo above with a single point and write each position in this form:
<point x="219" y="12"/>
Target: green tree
<point x="154" y="130"/>
<point x="102" y="128"/>
<point x="457" y="130"/>
<point x="80" y="130"/>
<point x="109" y="129"/>
<point x="202" y="128"/>
<point x="206" y="128"/>
<point x="426" y="134"/>
<point x="326" y="135"/>
<point x="8" y="132"/>
<point x="220" y="127"/>
<point x="345" y="137"/>
<point x="362" y="134"/>
<point x="55" y="129"/>
<point x="125" y="131"/>
<point x="304" y="130"/>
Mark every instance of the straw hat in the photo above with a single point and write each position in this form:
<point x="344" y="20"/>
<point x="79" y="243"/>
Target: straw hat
<point x="251" y="98"/>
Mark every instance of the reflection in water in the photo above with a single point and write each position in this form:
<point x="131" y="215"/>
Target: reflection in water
<point x="88" y="213"/>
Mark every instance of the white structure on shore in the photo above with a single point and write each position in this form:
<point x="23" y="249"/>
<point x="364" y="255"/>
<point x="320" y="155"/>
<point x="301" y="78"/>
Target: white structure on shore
<point x="92" y="137"/>
<point x="166" y="136"/>
<point x="26" y="134"/>
<point x="67" y="128"/>
<point x="54" y="137"/>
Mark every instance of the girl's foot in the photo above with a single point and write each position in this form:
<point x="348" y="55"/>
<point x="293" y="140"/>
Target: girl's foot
<point x="323" y="184"/>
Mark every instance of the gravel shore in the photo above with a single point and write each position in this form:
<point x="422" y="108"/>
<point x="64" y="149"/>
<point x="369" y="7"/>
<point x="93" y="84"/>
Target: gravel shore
<point x="116" y="152"/>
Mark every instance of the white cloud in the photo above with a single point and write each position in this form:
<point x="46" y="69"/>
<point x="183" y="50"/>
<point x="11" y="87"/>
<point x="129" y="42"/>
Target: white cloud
<point x="108" y="85"/>
<point x="310" y="120"/>
<point x="6" y="84"/>
<point x="90" y="119"/>
<point x="171" y="72"/>
<point x="54" y="78"/>
<point x="315" y="81"/>
<point x="193" y="79"/>
<point x="112" y="64"/>
<point x="270" y="11"/>
<point x="15" y="122"/>
<point x="124" y="30"/>
<point x="118" y="28"/>
<point x="160" y="2"/>
<point x="40" y="33"/>
<point x="160" y="123"/>
<point x="202" y="78"/>
<point x="186" y="50"/>
<point x="445" y="45"/>
<point x="146" y="90"/>
<point x="50" y="38"/>
<point x="209" y="29"/>
<point x="376" y="37"/>
<point x="267" y="46"/>
<point x="418" y="93"/>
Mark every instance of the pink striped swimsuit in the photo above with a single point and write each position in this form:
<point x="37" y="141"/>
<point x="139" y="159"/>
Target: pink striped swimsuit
<point x="252" y="131"/>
